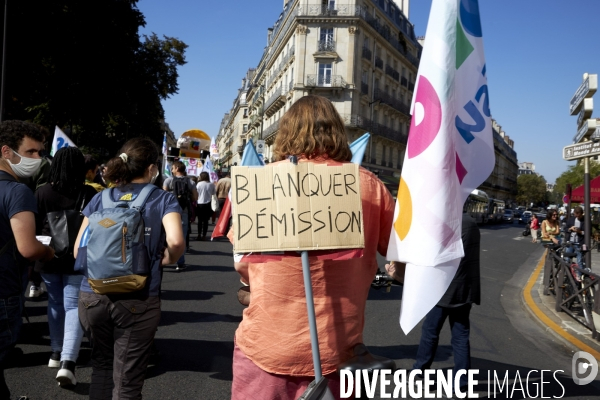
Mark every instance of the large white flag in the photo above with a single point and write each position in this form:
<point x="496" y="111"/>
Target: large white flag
<point x="60" y="140"/>
<point x="450" y="152"/>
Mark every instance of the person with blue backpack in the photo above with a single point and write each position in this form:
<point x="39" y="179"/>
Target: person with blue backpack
<point x="120" y="249"/>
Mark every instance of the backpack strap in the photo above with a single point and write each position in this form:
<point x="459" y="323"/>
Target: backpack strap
<point x="141" y="198"/>
<point x="107" y="201"/>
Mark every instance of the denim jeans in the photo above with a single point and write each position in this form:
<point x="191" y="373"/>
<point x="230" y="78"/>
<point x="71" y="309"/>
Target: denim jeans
<point x="575" y="248"/>
<point x="430" y="335"/>
<point x="185" y="222"/>
<point x="10" y="326"/>
<point x="65" y="330"/>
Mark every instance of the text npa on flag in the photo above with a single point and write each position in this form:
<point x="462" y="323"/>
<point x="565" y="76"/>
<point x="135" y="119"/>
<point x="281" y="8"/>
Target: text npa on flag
<point x="297" y="207"/>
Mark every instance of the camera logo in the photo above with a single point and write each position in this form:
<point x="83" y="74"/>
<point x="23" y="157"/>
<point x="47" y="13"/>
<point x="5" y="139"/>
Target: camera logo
<point x="584" y="368"/>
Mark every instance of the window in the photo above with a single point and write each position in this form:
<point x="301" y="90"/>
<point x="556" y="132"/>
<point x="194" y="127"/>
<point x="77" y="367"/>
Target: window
<point x="366" y="43"/>
<point x="245" y="128"/>
<point x="326" y="35"/>
<point x="365" y="76"/>
<point x="325" y="71"/>
<point x="330" y="4"/>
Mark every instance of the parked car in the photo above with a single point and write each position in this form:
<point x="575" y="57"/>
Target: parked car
<point x="525" y="217"/>
<point x="509" y="216"/>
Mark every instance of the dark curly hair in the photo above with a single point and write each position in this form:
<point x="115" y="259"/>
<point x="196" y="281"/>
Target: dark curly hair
<point x="13" y="132"/>
<point x="67" y="172"/>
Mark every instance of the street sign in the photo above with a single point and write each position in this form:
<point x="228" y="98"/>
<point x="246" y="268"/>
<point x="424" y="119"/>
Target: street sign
<point x="581" y="150"/>
<point x="586" y="111"/>
<point x="586" y="130"/>
<point x="587" y="89"/>
<point x="260" y="146"/>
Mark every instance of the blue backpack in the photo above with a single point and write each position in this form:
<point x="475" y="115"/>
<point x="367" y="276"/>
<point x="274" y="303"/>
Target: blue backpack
<point x="112" y="249"/>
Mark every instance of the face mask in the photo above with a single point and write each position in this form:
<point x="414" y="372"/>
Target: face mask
<point x="26" y="167"/>
<point x="153" y="179"/>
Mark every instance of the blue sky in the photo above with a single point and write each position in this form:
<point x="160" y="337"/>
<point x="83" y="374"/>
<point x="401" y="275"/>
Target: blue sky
<point x="536" y="53"/>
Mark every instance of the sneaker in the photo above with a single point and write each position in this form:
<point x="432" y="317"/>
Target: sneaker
<point x="54" y="361"/>
<point x="180" y="267"/>
<point x="35" y="291"/>
<point x="66" y="374"/>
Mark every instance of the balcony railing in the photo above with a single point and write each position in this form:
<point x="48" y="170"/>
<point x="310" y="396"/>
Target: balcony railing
<point x="335" y="81"/>
<point x="276" y="94"/>
<point x="271" y="130"/>
<point x="364" y="88"/>
<point x="378" y="62"/>
<point x="392" y="72"/>
<point x="326" y="45"/>
<point x="281" y="66"/>
<point x="318" y="10"/>
<point x="366" y="53"/>
<point x="391" y="101"/>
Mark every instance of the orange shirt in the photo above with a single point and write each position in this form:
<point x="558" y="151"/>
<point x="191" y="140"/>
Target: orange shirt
<point x="274" y="331"/>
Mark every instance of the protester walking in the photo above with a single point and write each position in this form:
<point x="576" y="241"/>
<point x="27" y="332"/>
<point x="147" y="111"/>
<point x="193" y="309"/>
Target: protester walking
<point x="121" y="327"/>
<point x="204" y="211"/>
<point x="455" y="305"/>
<point x="65" y="192"/>
<point x="186" y="194"/>
<point x="273" y="363"/>
<point x="20" y="146"/>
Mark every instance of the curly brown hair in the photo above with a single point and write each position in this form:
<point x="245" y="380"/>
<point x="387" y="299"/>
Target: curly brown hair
<point x="312" y="128"/>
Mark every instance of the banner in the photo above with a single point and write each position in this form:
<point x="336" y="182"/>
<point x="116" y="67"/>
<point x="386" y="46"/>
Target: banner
<point x="449" y="153"/>
<point x="208" y="167"/>
<point x="60" y="140"/>
<point x="214" y="151"/>
<point x="193" y="166"/>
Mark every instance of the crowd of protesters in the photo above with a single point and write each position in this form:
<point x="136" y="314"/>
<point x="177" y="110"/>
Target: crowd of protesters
<point x="121" y="327"/>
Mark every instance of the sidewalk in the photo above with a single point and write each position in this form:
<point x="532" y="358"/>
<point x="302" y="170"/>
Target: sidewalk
<point x="560" y="324"/>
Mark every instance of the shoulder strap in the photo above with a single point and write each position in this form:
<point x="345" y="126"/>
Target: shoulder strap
<point x="140" y="200"/>
<point x="107" y="201"/>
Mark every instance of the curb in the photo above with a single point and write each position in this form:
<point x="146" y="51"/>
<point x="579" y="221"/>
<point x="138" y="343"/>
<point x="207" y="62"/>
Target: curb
<point x="544" y="319"/>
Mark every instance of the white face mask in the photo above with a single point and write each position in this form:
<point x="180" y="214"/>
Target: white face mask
<point x="26" y="167"/>
<point x="153" y="179"/>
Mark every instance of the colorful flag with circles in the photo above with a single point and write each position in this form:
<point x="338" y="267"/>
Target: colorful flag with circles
<point x="450" y="152"/>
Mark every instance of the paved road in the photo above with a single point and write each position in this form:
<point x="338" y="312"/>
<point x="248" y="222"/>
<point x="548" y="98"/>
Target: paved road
<point x="201" y="313"/>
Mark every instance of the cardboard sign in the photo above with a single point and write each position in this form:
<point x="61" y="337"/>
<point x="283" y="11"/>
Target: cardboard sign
<point x="296" y="207"/>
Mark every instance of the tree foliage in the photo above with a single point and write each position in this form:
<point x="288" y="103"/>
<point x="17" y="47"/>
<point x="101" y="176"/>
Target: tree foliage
<point x="531" y="188"/>
<point x="574" y="176"/>
<point x="84" y="67"/>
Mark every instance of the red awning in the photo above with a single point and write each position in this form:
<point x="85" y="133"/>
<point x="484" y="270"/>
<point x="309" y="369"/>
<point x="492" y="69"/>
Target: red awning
<point x="577" y="193"/>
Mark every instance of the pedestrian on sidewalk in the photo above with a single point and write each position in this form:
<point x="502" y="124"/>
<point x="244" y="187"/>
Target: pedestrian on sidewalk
<point x="121" y="327"/>
<point x="66" y="190"/>
<point x="20" y="146"/>
<point x="204" y="210"/>
<point x="223" y="187"/>
<point x="535" y="226"/>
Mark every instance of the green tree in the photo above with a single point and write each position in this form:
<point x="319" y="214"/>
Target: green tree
<point x="84" y="67"/>
<point x="531" y="188"/>
<point x="574" y="176"/>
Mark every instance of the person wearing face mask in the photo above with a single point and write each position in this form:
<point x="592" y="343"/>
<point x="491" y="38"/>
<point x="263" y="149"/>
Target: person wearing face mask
<point x="121" y="327"/>
<point x="20" y="146"/>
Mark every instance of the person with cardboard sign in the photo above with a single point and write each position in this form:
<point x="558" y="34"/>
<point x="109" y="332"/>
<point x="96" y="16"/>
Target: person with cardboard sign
<point x="325" y="205"/>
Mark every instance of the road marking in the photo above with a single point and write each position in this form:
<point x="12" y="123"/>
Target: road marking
<point x="545" y="319"/>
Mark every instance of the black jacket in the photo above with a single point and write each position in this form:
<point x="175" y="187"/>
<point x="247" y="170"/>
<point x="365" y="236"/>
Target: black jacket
<point x="571" y="223"/>
<point x="466" y="287"/>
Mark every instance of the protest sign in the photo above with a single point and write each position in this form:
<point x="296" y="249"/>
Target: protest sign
<point x="296" y="207"/>
<point x="192" y="165"/>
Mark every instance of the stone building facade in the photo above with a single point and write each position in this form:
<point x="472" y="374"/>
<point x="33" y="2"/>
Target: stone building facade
<point x="361" y="54"/>
<point x="502" y="182"/>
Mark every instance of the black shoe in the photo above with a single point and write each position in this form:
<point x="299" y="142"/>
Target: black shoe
<point x="180" y="267"/>
<point x="54" y="361"/>
<point x="66" y="374"/>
